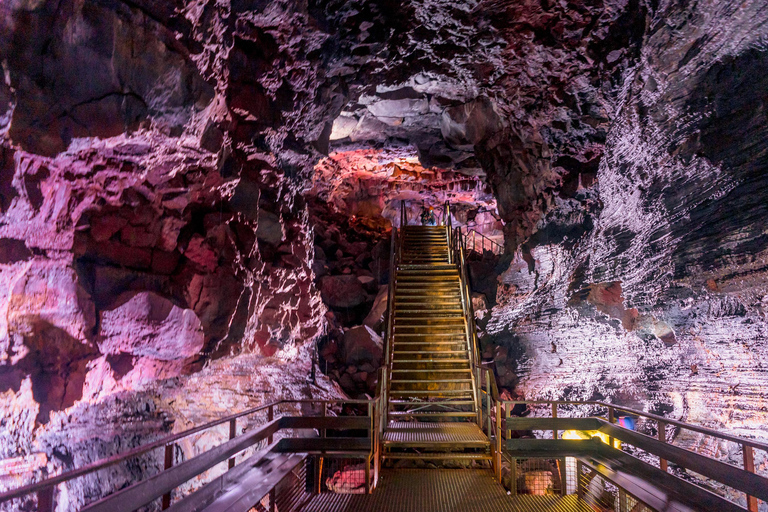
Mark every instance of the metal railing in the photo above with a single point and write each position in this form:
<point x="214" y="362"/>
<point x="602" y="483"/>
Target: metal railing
<point x="478" y="242"/>
<point x="162" y="484"/>
<point x="458" y="257"/>
<point x="631" y="446"/>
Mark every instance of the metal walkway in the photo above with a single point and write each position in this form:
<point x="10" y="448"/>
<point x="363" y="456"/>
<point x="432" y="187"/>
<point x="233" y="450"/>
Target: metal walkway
<point x="441" y="490"/>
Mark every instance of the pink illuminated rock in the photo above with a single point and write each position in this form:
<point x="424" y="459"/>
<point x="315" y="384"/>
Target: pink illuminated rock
<point x="47" y="293"/>
<point x="146" y="324"/>
<point x="201" y="253"/>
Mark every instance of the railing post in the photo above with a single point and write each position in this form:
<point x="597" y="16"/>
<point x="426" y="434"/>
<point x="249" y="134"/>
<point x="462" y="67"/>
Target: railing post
<point x="749" y="465"/>
<point x="488" y="400"/>
<point x="611" y="420"/>
<point x="497" y="461"/>
<point x="323" y="415"/>
<point x="508" y="412"/>
<point x="662" y="428"/>
<point x="478" y="400"/>
<point x="554" y="416"/>
<point x="168" y="464"/>
<point x="45" y="502"/>
<point x="270" y="417"/>
<point x="232" y="434"/>
<point x="371" y="434"/>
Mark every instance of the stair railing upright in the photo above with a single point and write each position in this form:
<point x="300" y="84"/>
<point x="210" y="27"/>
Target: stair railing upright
<point x="448" y="223"/>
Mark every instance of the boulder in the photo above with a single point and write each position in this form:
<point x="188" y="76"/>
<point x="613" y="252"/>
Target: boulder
<point x="269" y="228"/>
<point x="342" y="291"/>
<point x="375" y="318"/>
<point x="146" y="324"/>
<point x="362" y="345"/>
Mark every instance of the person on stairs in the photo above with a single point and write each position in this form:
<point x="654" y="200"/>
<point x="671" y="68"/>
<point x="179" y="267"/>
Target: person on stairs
<point x="428" y="216"/>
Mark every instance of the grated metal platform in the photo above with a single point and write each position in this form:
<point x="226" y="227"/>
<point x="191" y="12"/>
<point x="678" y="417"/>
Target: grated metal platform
<point x="440" y="490"/>
<point x="420" y="433"/>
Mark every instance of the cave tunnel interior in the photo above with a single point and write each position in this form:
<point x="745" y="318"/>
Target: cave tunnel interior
<point x="197" y="202"/>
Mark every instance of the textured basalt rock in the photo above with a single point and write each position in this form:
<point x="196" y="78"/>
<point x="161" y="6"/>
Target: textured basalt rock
<point x="653" y="296"/>
<point x="227" y="167"/>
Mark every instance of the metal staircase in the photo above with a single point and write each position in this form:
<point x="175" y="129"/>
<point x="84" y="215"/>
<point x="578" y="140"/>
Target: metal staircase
<point x="432" y="407"/>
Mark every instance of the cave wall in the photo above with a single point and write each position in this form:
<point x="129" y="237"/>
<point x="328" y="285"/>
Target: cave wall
<point x="652" y="293"/>
<point x="156" y="251"/>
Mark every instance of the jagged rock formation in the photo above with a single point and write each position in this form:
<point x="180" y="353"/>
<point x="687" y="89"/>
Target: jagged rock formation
<point x="163" y="172"/>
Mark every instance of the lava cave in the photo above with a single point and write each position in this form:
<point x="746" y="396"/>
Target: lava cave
<point x="198" y="201"/>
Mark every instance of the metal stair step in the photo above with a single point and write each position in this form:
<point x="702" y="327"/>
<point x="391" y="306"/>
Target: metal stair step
<point x="431" y="351"/>
<point x="431" y="381"/>
<point x="446" y="414"/>
<point x="426" y="267"/>
<point x="422" y="334"/>
<point x="439" y="402"/>
<point x="408" y="392"/>
<point x="432" y="370"/>
<point x="440" y="361"/>
<point x="436" y="456"/>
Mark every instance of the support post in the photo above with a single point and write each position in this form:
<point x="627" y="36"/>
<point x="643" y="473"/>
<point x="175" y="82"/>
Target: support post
<point x="563" y="476"/>
<point x="513" y="477"/>
<point x="662" y="428"/>
<point x="622" y="500"/>
<point x="318" y="475"/>
<point x="611" y="420"/>
<point x="367" y="475"/>
<point x="749" y="465"/>
<point x="45" y="502"/>
<point x="554" y="416"/>
<point x="272" y="497"/>
<point x="168" y="464"/>
<point x="232" y="434"/>
<point x="579" y="488"/>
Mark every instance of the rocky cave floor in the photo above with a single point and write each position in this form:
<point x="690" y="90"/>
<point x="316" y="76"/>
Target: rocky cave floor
<point x="196" y="200"/>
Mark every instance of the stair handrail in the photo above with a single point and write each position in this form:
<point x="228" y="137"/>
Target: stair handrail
<point x="403" y="215"/>
<point x="496" y="247"/>
<point x="394" y="258"/>
<point x="468" y="309"/>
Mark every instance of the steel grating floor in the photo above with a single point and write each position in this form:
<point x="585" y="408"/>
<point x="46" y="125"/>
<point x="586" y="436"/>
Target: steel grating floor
<point x="440" y="490"/>
<point x="433" y="432"/>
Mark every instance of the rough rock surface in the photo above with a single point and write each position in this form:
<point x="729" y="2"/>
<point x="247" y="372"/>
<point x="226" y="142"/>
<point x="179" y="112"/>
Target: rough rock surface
<point x="646" y="285"/>
<point x="622" y="142"/>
